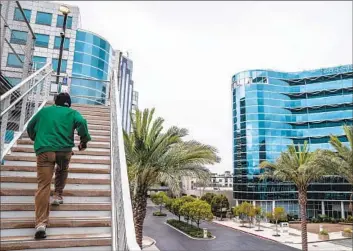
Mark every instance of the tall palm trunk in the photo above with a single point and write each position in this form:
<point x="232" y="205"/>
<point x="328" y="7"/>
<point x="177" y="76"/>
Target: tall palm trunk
<point x="139" y="206"/>
<point x="303" y="202"/>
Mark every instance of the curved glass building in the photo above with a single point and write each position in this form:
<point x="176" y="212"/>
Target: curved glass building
<point x="272" y="110"/>
<point x="92" y="60"/>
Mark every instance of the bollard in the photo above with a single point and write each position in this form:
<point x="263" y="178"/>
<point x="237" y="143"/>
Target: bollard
<point x="205" y="233"/>
<point x="321" y="228"/>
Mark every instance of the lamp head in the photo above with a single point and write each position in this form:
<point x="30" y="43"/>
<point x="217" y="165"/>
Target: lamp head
<point x="64" y="9"/>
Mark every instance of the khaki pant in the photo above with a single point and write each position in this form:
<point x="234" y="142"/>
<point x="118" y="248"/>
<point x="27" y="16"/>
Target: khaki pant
<point x="45" y="169"/>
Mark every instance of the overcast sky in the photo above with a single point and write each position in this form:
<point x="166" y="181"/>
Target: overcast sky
<point x="185" y="53"/>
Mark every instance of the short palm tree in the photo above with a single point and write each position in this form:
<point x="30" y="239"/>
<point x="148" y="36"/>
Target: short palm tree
<point x="340" y="161"/>
<point x="299" y="166"/>
<point x="155" y="156"/>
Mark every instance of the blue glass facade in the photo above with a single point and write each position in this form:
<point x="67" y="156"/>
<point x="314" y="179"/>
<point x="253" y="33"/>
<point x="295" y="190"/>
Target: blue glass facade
<point x="272" y="110"/>
<point x="91" y="60"/>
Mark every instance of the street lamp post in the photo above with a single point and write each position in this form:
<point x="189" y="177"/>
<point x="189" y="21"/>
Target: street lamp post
<point x="65" y="11"/>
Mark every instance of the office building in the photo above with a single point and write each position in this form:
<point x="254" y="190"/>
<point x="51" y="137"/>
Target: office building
<point x="272" y="110"/>
<point x="87" y="62"/>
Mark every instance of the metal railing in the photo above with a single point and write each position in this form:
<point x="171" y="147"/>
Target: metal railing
<point x="17" y="39"/>
<point x="20" y="104"/>
<point x="123" y="229"/>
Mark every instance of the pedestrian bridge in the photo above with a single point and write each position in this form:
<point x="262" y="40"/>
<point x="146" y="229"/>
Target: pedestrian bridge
<point x="97" y="212"/>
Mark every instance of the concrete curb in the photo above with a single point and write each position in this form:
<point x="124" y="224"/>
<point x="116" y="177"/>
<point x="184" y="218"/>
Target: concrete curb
<point x="153" y="242"/>
<point x="197" y="239"/>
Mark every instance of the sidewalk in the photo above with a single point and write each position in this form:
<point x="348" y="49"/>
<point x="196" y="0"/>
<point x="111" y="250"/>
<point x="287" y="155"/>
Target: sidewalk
<point x="292" y="238"/>
<point x="149" y="244"/>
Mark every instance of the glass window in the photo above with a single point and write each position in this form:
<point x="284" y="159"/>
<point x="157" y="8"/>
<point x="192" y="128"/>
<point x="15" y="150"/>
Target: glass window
<point x="43" y="18"/>
<point x="60" y="22"/>
<point x="18" y="37"/>
<point x="57" y="43"/>
<point x="13" y="61"/>
<point x="63" y="64"/>
<point x="42" y="40"/>
<point x="19" y="17"/>
<point x="13" y="81"/>
<point x="39" y="62"/>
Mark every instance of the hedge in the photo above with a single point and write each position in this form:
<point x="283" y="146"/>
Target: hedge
<point x="188" y="229"/>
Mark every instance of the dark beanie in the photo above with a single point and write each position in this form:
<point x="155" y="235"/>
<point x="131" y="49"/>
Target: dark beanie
<point x="63" y="99"/>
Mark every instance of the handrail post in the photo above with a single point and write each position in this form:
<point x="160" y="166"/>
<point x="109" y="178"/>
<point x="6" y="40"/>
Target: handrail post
<point x="4" y="120"/>
<point x="23" y="109"/>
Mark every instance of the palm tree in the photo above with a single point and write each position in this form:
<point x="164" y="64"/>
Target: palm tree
<point x="155" y="156"/>
<point x="299" y="166"/>
<point x="340" y="161"/>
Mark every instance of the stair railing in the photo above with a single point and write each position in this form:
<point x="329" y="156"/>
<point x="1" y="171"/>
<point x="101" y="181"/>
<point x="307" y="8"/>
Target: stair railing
<point x="123" y="229"/>
<point x="20" y="104"/>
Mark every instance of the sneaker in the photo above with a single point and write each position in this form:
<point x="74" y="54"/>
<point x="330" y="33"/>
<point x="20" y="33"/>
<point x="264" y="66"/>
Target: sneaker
<point x="40" y="232"/>
<point x="57" y="200"/>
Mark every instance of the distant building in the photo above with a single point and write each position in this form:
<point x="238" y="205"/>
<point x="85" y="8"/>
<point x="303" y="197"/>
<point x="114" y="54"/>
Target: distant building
<point x="272" y="110"/>
<point x="88" y="59"/>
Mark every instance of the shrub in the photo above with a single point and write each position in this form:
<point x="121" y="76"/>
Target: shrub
<point x="159" y="214"/>
<point x="347" y="230"/>
<point x="188" y="229"/>
<point x="349" y="219"/>
<point x="323" y="232"/>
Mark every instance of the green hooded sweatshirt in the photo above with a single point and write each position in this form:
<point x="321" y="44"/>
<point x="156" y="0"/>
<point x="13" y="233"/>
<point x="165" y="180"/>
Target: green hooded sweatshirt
<point x="52" y="129"/>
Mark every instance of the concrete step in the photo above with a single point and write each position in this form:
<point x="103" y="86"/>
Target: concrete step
<point x="72" y="171"/>
<point x="93" y="121"/>
<point x="88" y="151"/>
<point x="72" y="164"/>
<point x="64" y="207"/>
<point x="56" y="231"/>
<point x="21" y="179"/>
<point x="94" y="116"/>
<point x="91" y="132"/>
<point x="104" y="145"/>
<point x="62" y="241"/>
<point x="98" y="127"/>
<point x="11" y="191"/>
<point x="94" y="138"/>
<point x="79" y="200"/>
<point x="78" y="187"/>
<point x="98" y="248"/>
<point x="75" y="149"/>
<point x="74" y="159"/>
<point x="79" y="178"/>
<point x="75" y="214"/>
<point x="84" y="156"/>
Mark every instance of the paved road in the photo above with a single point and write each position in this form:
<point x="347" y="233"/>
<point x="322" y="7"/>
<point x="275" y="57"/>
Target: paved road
<point x="168" y="239"/>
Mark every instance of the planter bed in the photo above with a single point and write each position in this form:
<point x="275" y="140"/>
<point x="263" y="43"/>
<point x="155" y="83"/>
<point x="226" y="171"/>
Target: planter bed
<point x="159" y="214"/>
<point x="190" y="230"/>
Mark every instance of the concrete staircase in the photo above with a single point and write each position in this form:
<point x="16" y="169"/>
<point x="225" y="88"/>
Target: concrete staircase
<point x="83" y="222"/>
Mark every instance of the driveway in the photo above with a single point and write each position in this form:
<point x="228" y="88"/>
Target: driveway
<point x="168" y="239"/>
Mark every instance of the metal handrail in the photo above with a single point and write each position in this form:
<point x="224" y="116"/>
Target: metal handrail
<point x="23" y="82"/>
<point x="25" y="18"/>
<point x="123" y="229"/>
<point x="19" y="107"/>
<point x="23" y="95"/>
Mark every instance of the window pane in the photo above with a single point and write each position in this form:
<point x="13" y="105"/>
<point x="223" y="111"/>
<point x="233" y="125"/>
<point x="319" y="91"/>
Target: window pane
<point x="18" y="37"/>
<point x="42" y="40"/>
<point x="60" y="22"/>
<point x="39" y="62"/>
<point x="57" y="43"/>
<point x="63" y="64"/>
<point x="43" y="18"/>
<point x="19" y="17"/>
<point x="13" y="61"/>
<point x="13" y="81"/>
